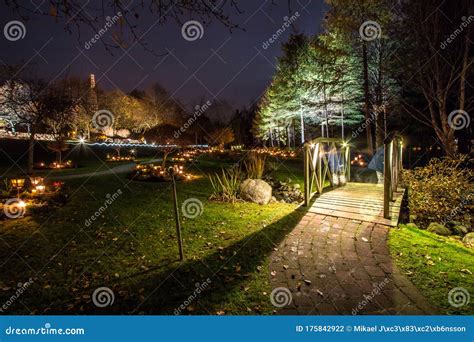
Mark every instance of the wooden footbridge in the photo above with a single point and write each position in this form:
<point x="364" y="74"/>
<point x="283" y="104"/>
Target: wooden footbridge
<point x="327" y="175"/>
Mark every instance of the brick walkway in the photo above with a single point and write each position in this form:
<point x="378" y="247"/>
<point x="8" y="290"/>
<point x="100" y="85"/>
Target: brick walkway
<point x="340" y="266"/>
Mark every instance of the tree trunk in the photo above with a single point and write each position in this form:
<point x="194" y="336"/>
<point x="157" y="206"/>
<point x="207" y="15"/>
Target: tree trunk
<point x="449" y="144"/>
<point x="368" y="119"/>
<point x="302" y="126"/>
<point x="464" y="136"/>
<point x="288" y="137"/>
<point x="462" y="78"/>
<point x="31" y="151"/>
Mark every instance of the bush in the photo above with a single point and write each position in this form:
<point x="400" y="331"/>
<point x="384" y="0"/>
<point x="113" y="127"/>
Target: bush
<point x="440" y="191"/>
<point x="226" y="186"/>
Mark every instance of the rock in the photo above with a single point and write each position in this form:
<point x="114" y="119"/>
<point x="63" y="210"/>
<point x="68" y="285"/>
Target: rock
<point x="460" y="230"/>
<point x="256" y="190"/>
<point x="439" y="229"/>
<point x="411" y="225"/>
<point x="273" y="199"/>
<point x="469" y="240"/>
<point x="451" y="224"/>
<point x="296" y="186"/>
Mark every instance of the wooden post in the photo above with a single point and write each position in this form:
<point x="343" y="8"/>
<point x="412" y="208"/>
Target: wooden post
<point x="176" y="215"/>
<point x="394" y="167"/>
<point x="307" y="190"/>
<point x="386" y="179"/>
<point x="400" y="154"/>
<point x="319" y="173"/>
<point x="348" y="164"/>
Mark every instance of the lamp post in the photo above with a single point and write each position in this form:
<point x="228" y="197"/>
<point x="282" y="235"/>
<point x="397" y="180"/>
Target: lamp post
<point x="176" y="213"/>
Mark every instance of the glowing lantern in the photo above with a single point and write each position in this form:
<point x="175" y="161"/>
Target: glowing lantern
<point x="40" y="189"/>
<point x="17" y="183"/>
<point x="36" y="180"/>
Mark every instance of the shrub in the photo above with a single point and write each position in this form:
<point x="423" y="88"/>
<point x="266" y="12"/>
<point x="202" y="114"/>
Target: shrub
<point x="440" y="191"/>
<point x="226" y="186"/>
<point x="254" y="166"/>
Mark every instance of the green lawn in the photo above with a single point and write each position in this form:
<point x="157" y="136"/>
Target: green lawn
<point x="435" y="265"/>
<point x="132" y="249"/>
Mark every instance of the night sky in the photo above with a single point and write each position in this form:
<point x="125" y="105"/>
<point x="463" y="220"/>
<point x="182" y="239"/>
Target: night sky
<point x="232" y="66"/>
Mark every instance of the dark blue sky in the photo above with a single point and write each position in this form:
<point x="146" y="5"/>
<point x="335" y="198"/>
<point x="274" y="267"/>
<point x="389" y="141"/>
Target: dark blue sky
<point x="232" y="66"/>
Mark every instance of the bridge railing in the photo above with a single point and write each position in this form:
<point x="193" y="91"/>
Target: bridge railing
<point x="393" y="147"/>
<point x="325" y="159"/>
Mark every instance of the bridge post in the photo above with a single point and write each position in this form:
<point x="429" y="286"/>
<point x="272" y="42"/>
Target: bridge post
<point x="348" y="163"/>
<point x="306" y="161"/>
<point x="387" y="178"/>
<point x="395" y="163"/>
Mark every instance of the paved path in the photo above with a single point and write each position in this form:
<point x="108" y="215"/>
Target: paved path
<point x="341" y="266"/>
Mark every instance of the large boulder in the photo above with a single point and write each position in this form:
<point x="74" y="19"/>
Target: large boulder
<point x="256" y="190"/>
<point x="439" y="229"/>
<point x="469" y="240"/>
